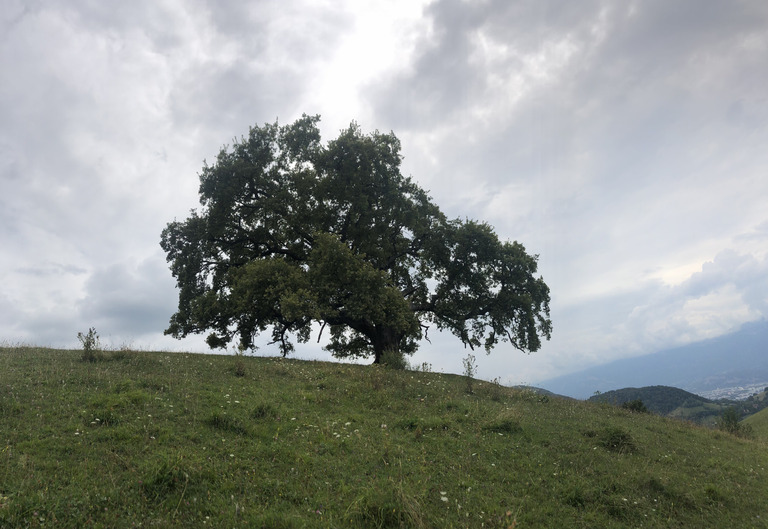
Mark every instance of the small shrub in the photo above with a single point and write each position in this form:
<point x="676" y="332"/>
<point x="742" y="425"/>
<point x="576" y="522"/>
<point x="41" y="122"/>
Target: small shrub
<point x="239" y="367"/>
<point x="91" y="345"/>
<point x="394" y="360"/>
<point x="617" y="440"/>
<point x="239" y="362"/>
<point x="730" y="421"/>
<point x="496" y="391"/>
<point x="636" y="405"/>
<point x="470" y="369"/>
<point x="745" y="430"/>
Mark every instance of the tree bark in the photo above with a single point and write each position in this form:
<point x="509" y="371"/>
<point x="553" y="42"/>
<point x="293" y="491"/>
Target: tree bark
<point x="384" y="339"/>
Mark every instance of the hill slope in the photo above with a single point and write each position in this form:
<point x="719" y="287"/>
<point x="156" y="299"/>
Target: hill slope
<point x="759" y="423"/>
<point x="735" y="360"/>
<point x="176" y="440"/>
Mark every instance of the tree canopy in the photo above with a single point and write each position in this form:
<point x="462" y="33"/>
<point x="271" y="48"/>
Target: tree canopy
<point x="293" y="232"/>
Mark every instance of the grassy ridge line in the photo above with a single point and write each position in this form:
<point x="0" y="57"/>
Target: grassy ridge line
<point x="179" y="440"/>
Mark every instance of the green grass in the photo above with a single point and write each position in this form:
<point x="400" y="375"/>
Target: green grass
<point x="182" y="440"/>
<point x="759" y="423"/>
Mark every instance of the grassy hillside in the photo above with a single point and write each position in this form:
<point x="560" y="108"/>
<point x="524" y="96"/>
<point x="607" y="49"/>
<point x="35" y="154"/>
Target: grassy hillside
<point x="177" y="440"/>
<point x="759" y="423"/>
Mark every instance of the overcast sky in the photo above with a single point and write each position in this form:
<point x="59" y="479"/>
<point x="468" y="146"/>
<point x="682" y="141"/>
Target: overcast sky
<point x="625" y="143"/>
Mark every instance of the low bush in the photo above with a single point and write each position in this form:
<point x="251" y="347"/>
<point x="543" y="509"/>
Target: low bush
<point x="636" y="406"/>
<point x="470" y="370"/>
<point x="394" y="360"/>
<point x="730" y="421"/>
<point x="91" y="345"/>
<point x="617" y="440"/>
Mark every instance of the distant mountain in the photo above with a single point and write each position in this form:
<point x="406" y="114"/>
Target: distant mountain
<point x="734" y="365"/>
<point x="681" y="404"/>
<point x="661" y="400"/>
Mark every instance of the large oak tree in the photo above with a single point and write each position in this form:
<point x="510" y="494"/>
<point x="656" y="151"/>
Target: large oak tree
<point x="293" y="232"/>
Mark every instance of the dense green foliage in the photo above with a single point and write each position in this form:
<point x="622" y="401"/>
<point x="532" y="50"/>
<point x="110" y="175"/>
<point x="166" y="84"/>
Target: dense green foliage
<point x="293" y="232"/>
<point x="176" y="440"/>
<point x="636" y="405"/>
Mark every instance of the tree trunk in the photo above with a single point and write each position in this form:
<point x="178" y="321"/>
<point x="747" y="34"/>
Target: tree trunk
<point x="384" y="339"/>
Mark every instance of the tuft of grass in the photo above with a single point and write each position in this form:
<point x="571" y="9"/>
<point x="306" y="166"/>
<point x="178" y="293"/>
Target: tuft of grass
<point x="507" y="426"/>
<point x="616" y="439"/>
<point x="226" y="423"/>
<point x="384" y="508"/>
<point x="505" y="423"/>
<point x="162" y="478"/>
<point x="263" y="411"/>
